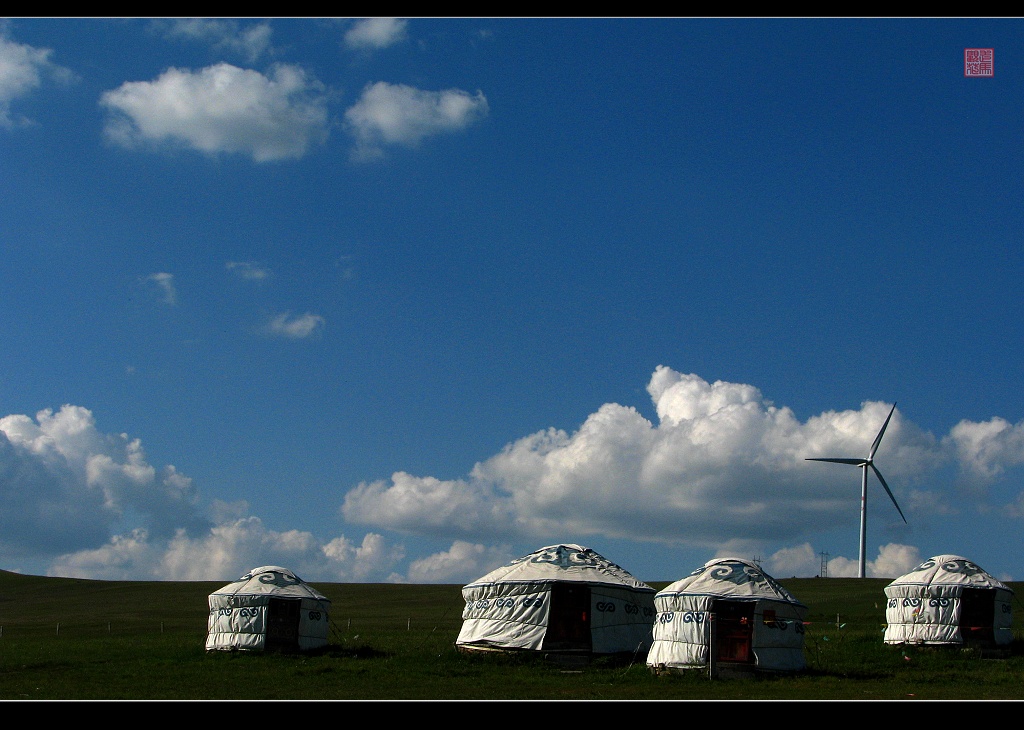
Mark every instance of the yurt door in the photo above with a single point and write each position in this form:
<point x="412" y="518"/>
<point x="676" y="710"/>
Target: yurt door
<point x="734" y="630"/>
<point x="977" y="614"/>
<point x="283" y="624"/>
<point x="568" y="618"/>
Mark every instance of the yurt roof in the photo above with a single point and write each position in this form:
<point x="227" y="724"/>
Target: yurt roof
<point x="271" y="579"/>
<point x="564" y="562"/>
<point x="731" y="578"/>
<point x="949" y="570"/>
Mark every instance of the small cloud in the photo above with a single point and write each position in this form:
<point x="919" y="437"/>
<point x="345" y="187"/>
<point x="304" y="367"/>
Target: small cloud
<point x="250" y="41"/>
<point x="403" y="115"/>
<point x="295" y="327"/>
<point x="248" y="270"/>
<point x="985" y="450"/>
<point x="894" y="560"/>
<point x="165" y="284"/>
<point x="221" y="109"/>
<point x="22" y="69"/>
<point x="462" y="563"/>
<point x="796" y="560"/>
<point x="376" y="33"/>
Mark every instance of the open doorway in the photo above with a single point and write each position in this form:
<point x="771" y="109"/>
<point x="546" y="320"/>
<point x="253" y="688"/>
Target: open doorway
<point x="977" y="614"/>
<point x="568" y="618"/>
<point x="734" y="630"/>
<point x="283" y="624"/>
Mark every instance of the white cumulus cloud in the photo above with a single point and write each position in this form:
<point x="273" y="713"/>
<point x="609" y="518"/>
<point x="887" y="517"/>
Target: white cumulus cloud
<point x="251" y="40"/>
<point x="799" y="560"/>
<point x="227" y="551"/>
<point x="65" y="485"/>
<point x="23" y="69"/>
<point x="88" y="504"/>
<point x="221" y="109"/>
<point x="722" y="469"/>
<point x="376" y="33"/>
<point x="373" y="557"/>
<point x="893" y="561"/>
<point x="428" y="505"/>
<point x="396" y="114"/>
<point x="985" y="450"/>
<point x="461" y="563"/>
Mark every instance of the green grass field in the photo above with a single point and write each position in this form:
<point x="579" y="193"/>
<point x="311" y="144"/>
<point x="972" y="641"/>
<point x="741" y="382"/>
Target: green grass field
<point x="70" y="639"/>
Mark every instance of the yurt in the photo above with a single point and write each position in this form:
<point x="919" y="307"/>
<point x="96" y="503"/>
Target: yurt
<point x="731" y="611"/>
<point x="561" y="599"/>
<point x="948" y="599"/>
<point x="268" y="608"/>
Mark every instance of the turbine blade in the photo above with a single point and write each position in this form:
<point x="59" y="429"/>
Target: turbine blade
<point x="878" y="438"/>
<point x="888" y="491"/>
<point x="855" y="462"/>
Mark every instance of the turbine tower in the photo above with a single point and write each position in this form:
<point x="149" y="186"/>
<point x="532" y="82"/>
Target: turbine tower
<point x="864" y="465"/>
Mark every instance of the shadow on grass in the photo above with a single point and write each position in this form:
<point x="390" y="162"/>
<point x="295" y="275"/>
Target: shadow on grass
<point x="331" y="651"/>
<point x="1016" y="647"/>
<point x="565" y="661"/>
<point x="843" y="673"/>
<point x="969" y="650"/>
<point x="361" y="651"/>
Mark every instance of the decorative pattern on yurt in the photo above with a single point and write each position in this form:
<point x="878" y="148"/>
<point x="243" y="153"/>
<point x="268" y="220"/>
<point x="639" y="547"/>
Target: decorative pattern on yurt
<point x="558" y="598"/>
<point x="756" y="622"/>
<point x="948" y="599"/>
<point x="268" y="608"/>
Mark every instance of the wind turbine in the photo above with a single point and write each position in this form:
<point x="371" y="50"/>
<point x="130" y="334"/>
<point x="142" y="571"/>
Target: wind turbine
<point x="866" y="464"/>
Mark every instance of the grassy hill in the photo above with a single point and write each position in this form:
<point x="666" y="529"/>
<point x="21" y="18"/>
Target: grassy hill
<point x="63" y="638"/>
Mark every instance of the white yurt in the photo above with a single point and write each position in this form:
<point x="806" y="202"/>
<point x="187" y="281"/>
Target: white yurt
<point x="732" y="608"/>
<point x="268" y="608"/>
<point x="559" y="599"/>
<point x="947" y="599"/>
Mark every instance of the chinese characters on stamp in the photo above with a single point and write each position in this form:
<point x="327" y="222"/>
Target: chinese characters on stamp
<point x="978" y="62"/>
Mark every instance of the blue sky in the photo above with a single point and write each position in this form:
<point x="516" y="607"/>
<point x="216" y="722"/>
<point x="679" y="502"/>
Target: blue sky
<point x="398" y="300"/>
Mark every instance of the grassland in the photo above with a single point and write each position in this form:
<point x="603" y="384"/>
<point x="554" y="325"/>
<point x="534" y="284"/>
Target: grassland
<point x="70" y="639"/>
